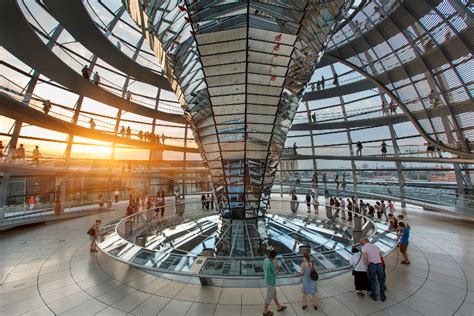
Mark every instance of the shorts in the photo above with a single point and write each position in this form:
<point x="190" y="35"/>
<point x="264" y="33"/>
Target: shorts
<point x="403" y="248"/>
<point x="271" y="294"/>
<point x="91" y="237"/>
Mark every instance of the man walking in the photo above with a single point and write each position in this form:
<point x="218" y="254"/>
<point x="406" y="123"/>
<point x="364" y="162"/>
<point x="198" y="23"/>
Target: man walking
<point x="373" y="261"/>
<point x="270" y="269"/>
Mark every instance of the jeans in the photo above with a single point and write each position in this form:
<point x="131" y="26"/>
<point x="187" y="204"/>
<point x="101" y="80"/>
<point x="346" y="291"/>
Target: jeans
<point x="375" y="272"/>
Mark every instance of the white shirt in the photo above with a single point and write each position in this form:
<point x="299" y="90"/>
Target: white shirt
<point x="372" y="252"/>
<point x="357" y="262"/>
<point x="117" y="192"/>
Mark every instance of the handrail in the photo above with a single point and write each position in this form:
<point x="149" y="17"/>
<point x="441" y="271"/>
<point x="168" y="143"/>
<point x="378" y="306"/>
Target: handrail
<point x="113" y="229"/>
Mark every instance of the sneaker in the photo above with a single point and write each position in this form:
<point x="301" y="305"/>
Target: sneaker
<point x="373" y="297"/>
<point x="383" y="299"/>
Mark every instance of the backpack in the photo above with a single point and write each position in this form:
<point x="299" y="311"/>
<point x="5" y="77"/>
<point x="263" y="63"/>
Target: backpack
<point x="91" y="231"/>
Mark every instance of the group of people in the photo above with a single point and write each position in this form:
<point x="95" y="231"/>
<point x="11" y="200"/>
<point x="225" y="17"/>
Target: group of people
<point x="309" y="276"/>
<point x="207" y="201"/>
<point x="321" y="83"/>
<point x="19" y="154"/>
<point x="368" y="267"/>
<point x="143" y="136"/>
<point x="383" y="149"/>
<point x="139" y="202"/>
<point x="86" y="74"/>
<point x="336" y="206"/>
<point x="391" y="107"/>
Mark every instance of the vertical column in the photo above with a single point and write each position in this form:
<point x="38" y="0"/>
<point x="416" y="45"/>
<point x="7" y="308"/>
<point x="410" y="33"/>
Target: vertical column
<point x="313" y="151"/>
<point x="349" y="139"/>
<point x="184" y="157"/>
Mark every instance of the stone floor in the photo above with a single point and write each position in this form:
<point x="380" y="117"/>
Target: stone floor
<point x="48" y="269"/>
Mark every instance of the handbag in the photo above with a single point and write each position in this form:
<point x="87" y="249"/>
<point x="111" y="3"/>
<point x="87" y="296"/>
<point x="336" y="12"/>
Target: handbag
<point x="314" y="274"/>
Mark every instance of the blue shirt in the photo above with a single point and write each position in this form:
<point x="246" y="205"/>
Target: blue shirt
<point x="270" y="271"/>
<point x="406" y="235"/>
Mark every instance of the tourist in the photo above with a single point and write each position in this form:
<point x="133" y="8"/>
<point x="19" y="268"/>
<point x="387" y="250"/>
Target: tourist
<point x="393" y="107"/>
<point x="96" y="78"/>
<point x="122" y="132"/>
<point x="392" y="222"/>
<point x="293" y="202"/>
<point x="344" y="183"/>
<point x="20" y="153"/>
<point x="336" y="79"/>
<point x="350" y="209"/>
<point x="391" y="207"/>
<point x="325" y="179"/>
<point x="373" y="261"/>
<point x="208" y="200"/>
<point x="31" y="202"/>
<point x="336" y="180"/>
<point x="308" y="269"/>
<point x="323" y="81"/>
<point x="383" y="149"/>
<point x="370" y="210"/>
<point x="318" y="85"/>
<point x="156" y="205"/>
<point x="203" y="201"/>
<point x="116" y="194"/>
<point x="162" y="203"/>
<point x="46" y="106"/>
<point x="359" y="149"/>
<point x="430" y="150"/>
<point x="342" y="204"/>
<point x="85" y="72"/>
<point x="270" y="268"/>
<point x="295" y="149"/>
<point x="383" y="208"/>
<point x="163" y="138"/>
<point x="36" y="156"/>
<point x="359" y="271"/>
<point x="92" y="123"/>
<point x="378" y="209"/>
<point x="129" y="132"/>
<point x="297" y="178"/>
<point x="384" y="108"/>
<point x="314" y="180"/>
<point x="308" y="202"/>
<point x="332" y="204"/>
<point x="140" y="135"/>
<point x="93" y="233"/>
<point x="101" y="202"/>
<point x="362" y="207"/>
<point x="405" y="236"/>
<point x="313" y="117"/>
<point x="128" y="95"/>
<point x="337" y="207"/>
<point x="315" y="203"/>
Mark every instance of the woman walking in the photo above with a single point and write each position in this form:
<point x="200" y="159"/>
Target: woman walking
<point x="309" y="285"/>
<point x="359" y="271"/>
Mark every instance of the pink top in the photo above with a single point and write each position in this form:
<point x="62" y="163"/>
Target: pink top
<point x="391" y="207"/>
<point x="372" y="252"/>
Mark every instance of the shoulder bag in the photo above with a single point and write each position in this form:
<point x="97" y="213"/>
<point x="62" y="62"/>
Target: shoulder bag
<point x="314" y="274"/>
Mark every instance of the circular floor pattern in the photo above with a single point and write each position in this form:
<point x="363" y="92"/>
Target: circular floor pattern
<point x="42" y="275"/>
